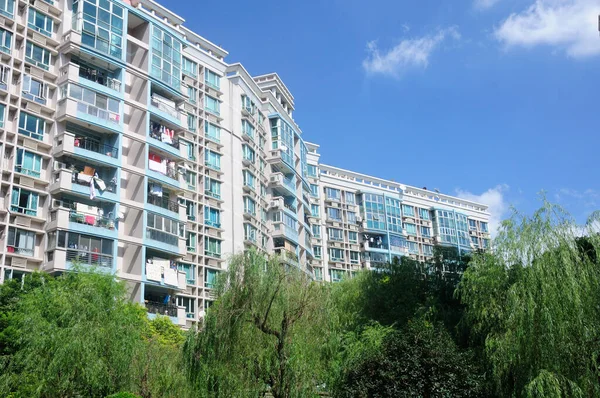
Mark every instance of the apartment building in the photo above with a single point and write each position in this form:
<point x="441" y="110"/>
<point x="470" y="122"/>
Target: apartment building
<point x="128" y="143"/>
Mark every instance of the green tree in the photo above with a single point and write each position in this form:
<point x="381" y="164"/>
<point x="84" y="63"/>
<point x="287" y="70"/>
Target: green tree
<point x="421" y="360"/>
<point x="266" y="332"/>
<point x="535" y="302"/>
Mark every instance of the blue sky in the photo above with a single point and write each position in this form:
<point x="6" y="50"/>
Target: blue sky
<point x="493" y="100"/>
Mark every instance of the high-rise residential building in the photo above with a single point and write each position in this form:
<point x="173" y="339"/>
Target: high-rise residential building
<point x="128" y="143"/>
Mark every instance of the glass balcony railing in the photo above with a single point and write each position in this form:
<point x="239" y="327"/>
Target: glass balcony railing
<point x="87" y="257"/>
<point x="95" y="146"/>
<point x="161" y="309"/>
<point x="161" y="236"/>
<point x="100" y="77"/>
<point x="164" y="203"/>
<point x="162" y="106"/>
<point x="103" y="114"/>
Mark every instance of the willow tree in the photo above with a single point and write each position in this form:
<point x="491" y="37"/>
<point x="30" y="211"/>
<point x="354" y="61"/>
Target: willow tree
<point x="535" y="302"/>
<point x="265" y="332"/>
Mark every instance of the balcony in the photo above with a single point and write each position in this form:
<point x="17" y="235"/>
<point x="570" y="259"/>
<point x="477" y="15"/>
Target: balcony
<point x="99" y="77"/>
<point x="85" y="147"/>
<point x="81" y="113"/>
<point x="165" y="242"/>
<point x="165" y="109"/>
<point x="285" y="231"/>
<point x="280" y="180"/>
<point x="175" y="209"/>
<point x="65" y="180"/>
<point x="89" y="258"/>
<point x="164" y="138"/>
<point x="176" y="314"/>
<point x="85" y="222"/>
<point x="165" y="170"/>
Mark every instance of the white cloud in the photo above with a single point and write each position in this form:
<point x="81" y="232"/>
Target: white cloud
<point x="494" y="199"/>
<point x="408" y="54"/>
<point x="570" y="25"/>
<point x="485" y="4"/>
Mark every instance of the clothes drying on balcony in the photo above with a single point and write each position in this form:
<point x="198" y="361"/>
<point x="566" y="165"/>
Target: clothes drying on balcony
<point x="153" y="272"/>
<point x="170" y="276"/>
<point x="162" y="133"/>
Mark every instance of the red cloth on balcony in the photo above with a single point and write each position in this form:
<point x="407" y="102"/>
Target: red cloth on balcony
<point x="91" y="220"/>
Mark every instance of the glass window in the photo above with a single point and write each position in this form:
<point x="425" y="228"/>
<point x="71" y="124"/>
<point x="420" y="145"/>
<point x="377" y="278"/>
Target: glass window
<point x="28" y="163"/>
<point x="354" y="257"/>
<point x="424" y="213"/>
<point x="5" y="41"/>
<point x="408" y="211"/>
<point x="428" y="250"/>
<point x="312" y="170"/>
<point x="249" y="205"/>
<point x="317" y="251"/>
<point x="7" y="7"/>
<point x="335" y="234"/>
<point x="193" y="94"/>
<point x="39" y="22"/>
<point x="483" y="226"/>
<point x="166" y="58"/>
<point x="20" y="241"/>
<point x="314" y="210"/>
<point x="37" y="56"/>
<point x="191" y="122"/>
<point x="210" y="278"/>
<point x="248" y="153"/>
<point x="212" y="159"/>
<point x="212" y="247"/>
<point x="351" y="217"/>
<point x="101" y="25"/>
<point x="411" y="229"/>
<point x="212" y="188"/>
<point x="336" y="254"/>
<point x="334" y="213"/>
<point x="314" y="190"/>
<point x="190" y="241"/>
<point x="426" y="231"/>
<point x="2" y="111"/>
<point x="213" y="132"/>
<point x="190" y="67"/>
<point x="213" y="105"/>
<point x="333" y="194"/>
<point x="247" y="128"/>
<point x="191" y="178"/>
<point x="212" y="217"/>
<point x="31" y="126"/>
<point x="353" y="236"/>
<point x="316" y="230"/>
<point x="249" y="179"/>
<point x="212" y="79"/>
<point x="350" y="198"/>
<point x="24" y="202"/>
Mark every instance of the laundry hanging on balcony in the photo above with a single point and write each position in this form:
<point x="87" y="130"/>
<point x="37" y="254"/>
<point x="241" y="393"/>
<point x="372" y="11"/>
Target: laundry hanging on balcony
<point x="162" y="133"/>
<point x="156" y="163"/>
<point x="156" y="190"/>
<point x="153" y="272"/>
<point x="170" y="276"/>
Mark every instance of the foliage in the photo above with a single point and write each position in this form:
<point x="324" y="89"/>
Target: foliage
<point x="267" y="331"/>
<point x="535" y="303"/>
<point x="421" y="360"/>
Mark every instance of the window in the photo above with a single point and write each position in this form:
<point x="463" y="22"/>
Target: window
<point x="314" y="210"/>
<point x="249" y="206"/>
<point x="336" y="254"/>
<point x="163" y="229"/>
<point x="483" y="226"/>
<point x="408" y="211"/>
<point x="248" y="153"/>
<point x="213" y="132"/>
<point x="190" y="67"/>
<point x="34" y="90"/>
<point x="248" y="105"/>
<point x="28" y="163"/>
<point x="212" y="217"/>
<point x="7" y="7"/>
<point x="37" y="56"/>
<point x="212" y="188"/>
<point x="189" y="272"/>
<point x="312" y="170"/>
<point x="334" y="213"/>
<point x="212" y="159"/>
<point x="486" y="243"/>
<point x="424" y="213"/>
<point x="190" y="242"/>
<point x="336" y="275"/>
<point x="262" y="165"/>
<point x="191" y="178"/>
<point x="93" y="103"/>
<point x="190" y="210"/>
<point x="318" y="272"/>
<point x="413" y="247"/>
<point x="101" y="25"/>
<point x="263" y="215"/>
<point x="166" y="58"/>
<point x="39" y="22"/>
<point x="210" y="278"/>
<point x="247" y="128"/>
<point x="475" y="241"/>
<point x="21" y="241"/>
<point x="472" y="224"/>
<point x="335" y="234"/>
<point x="314" y="190"/>
<point x="353" y="237"/>
<point x="249" y="179"/>
<point x="212" y="247"/>
<point x="374" y="211"/>
<point x="250" y="233"/>
<point x="318" y="252"/>
<point x="332" y="194"/>
<point x="24" y="202"/>
<point x="351" y="216"/>
<point x="2" y="108"/>
<point x="428" y="250"/>
<point x="213" y="105"/>
<point x="5" y="40"/>
<point x="316" y="230"/>
<point x="193" y="94"/>
<point x="188" y="303"/>
<point x="350" y="198"/>
<point x="411" y="229"/>
<point x="263" y="190"/>
<point x="426" y="231"/>
<point x="192" y="122"/>
<point x="189" y="149"/>
<point x="354" y="257"/>
<point x="31" y="126"/>
<point x="212" y="79"/>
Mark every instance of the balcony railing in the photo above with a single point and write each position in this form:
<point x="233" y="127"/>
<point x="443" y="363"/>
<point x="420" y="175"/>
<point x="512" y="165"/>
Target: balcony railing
<point x="111" y="186"/>
<point x="99" y="77"/>
<point x="92" y="220"/>
<point x="170" y="110"/>
<point x="23" y="170"/>
<point x="165" y="203"/>
<point x="161" y="236"/>
<point x="95" y="146"/>
<point x="23" y="210"/>
<point x="103" y="114"/>
<point x="157" y="135"/>
<point x="23" y="251"/>
<point x="86" y="257"/>
<point x="161" y="309"/>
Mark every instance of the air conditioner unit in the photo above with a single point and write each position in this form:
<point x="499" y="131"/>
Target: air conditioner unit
<point x="57" y="204"/>
<point x="59" y="165"/>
